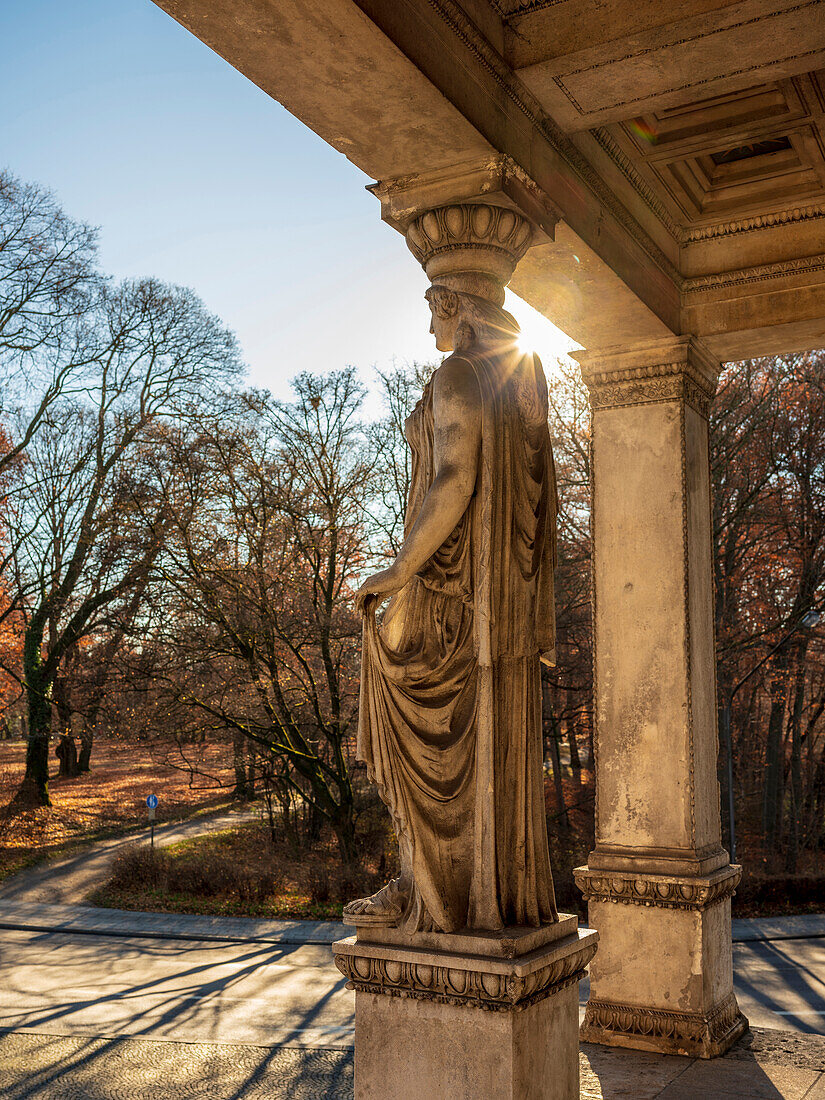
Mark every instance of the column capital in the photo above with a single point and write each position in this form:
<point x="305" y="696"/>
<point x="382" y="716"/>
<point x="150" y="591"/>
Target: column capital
<point x="469" y="224"/>
<point x="470" y="241"/>
<point x="672" y="369"/>
<point x="496" y="180"/>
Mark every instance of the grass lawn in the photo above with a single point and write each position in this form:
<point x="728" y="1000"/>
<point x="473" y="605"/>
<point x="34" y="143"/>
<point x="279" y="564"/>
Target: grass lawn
<point x="237" y="872"/>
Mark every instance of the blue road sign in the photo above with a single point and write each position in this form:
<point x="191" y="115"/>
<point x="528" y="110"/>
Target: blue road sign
<point x="152" y="801"/>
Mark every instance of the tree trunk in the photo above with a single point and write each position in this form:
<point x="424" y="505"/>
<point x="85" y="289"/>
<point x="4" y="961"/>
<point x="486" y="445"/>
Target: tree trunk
<point x="34" y="790"/>
<point x="797" y="802"/>
<point x="314" y="823"/>
<point x="563" y="817"/>
<point x="575" y="759"/>
<point x="239" y="747"/>
<point x="344" y="828"/>
<point x="774" y="764"/>
<point x="250" y="770"/>
<point x="66" y="748"/>
<point x="87" y="740"/>
<point x="66" y="753"/>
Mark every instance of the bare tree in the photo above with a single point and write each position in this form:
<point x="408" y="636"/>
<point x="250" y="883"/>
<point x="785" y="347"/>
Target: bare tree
<point x="49" y="281"/>
<point x="400" y="388"/>
<point x="79" y="536"/>
<point x="268" y="506"/>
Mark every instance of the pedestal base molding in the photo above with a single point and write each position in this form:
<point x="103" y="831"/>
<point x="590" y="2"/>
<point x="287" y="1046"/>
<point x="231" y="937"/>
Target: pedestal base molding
<point x="498" y="1019"/>
<point x="664" y="979"/>
<point x="666" y="891"/>
<point x="703" y="1036"/>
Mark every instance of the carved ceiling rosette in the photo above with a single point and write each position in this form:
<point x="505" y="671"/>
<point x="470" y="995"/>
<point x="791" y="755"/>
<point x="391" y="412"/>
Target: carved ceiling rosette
<point x="470" y="240"/>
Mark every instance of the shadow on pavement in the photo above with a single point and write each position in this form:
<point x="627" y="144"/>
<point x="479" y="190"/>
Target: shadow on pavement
<point x="771" y="992"/>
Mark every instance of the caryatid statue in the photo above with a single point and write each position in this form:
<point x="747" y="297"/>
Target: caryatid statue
<point x="450" y="718"/>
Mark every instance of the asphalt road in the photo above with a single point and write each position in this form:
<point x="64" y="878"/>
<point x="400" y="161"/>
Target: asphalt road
<point x="190" y="991"/>
<point x="264" y="993"/>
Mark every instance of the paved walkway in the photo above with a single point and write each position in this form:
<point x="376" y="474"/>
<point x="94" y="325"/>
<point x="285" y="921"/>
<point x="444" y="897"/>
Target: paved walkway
<point x="47" y="916"/>
<point x="54" y="1067"/>
<point x="764" y="1066"/>
<point x="210" y="968"/>
<point x="95" y="1005"/>
<point x="87" y="920"/>
<point x="807" y="926"/>
<point x="72" y="878"/>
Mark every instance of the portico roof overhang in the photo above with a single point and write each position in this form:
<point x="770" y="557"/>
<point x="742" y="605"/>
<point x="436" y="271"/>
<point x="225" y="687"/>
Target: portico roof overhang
<point x="674" y="152"/>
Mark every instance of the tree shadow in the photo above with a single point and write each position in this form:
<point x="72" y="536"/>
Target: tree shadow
<point x="771" y="991"/>
<point x="197" y="996"/>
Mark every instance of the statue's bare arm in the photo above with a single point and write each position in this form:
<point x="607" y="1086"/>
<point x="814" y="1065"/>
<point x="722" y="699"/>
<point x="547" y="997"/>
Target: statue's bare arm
<point x="457" y="441"/>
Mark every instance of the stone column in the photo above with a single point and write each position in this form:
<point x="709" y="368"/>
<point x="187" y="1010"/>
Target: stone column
<point x="476" y="1013"/>
<point x="658" y="882"/>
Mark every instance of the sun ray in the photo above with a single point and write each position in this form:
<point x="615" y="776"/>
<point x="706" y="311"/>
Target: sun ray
<point x="537" y="333"/>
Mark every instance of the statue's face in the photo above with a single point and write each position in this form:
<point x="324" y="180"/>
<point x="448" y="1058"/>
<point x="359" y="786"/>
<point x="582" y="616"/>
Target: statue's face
<point x="443" y="328"/>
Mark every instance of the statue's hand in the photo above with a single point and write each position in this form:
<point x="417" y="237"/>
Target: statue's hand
<point x="380" y="585"/>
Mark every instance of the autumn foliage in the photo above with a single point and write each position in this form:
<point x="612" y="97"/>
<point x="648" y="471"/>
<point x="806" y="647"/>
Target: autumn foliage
<point x="178" y="558"/>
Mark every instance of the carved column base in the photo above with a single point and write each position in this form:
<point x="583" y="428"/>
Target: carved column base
<point x="666" y="982"/>
<point x="698" y="1035"/>
<point x="495" y="1019"/>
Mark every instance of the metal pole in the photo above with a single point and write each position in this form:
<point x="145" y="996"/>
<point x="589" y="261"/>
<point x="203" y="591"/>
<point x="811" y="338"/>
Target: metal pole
<point x="152" y="835"/>
<point x="729" y="752"/>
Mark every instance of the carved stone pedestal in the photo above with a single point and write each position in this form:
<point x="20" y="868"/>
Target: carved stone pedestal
<point x="467" y="1016"/>
<point x="667" y="983"/>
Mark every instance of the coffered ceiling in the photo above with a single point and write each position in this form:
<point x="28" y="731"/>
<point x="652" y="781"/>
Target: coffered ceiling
<point x="678" y="144"/>
<point x="753" y="151"/>
<point x="719" y="106"/>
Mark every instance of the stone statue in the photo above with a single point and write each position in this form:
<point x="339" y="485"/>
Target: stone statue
<point x="450" y="719"/>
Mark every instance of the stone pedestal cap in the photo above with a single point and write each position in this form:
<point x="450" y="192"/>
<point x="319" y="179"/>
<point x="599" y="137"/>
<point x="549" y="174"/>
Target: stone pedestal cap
<point x="470" y="247"/>
<point x="472" y="980"/>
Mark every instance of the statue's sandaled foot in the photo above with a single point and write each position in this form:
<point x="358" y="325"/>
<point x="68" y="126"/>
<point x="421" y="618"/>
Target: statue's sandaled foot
<point x="385" y="907"/>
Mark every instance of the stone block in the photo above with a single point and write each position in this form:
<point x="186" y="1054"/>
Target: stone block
<point x="667" y="982"/>
<point x="465" y="1025"/>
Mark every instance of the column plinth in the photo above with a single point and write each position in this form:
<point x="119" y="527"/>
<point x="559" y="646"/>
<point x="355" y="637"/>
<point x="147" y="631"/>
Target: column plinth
<point x="493" y="1015"/>
<point x="658" y="883"/>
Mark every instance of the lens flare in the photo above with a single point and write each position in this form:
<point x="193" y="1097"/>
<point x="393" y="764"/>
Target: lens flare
<point x="537" y="333"/>
<point x="643" y="130"/>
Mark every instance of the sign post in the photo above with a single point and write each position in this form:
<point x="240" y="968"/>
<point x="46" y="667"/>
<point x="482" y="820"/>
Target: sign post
<point x="152" y="803"/>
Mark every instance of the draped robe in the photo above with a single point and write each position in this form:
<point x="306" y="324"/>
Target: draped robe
<point x="450" y="717"/>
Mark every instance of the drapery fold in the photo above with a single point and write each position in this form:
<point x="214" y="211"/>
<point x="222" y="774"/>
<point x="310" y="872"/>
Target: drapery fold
<point x="450" y="718"/>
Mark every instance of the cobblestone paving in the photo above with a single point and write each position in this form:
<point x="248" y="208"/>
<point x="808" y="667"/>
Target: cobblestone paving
<point x="765" y="1064"/>
<point x="52" y="1067"/>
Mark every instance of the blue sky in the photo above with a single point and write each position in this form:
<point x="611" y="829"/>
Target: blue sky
<point x="196" y="176"/>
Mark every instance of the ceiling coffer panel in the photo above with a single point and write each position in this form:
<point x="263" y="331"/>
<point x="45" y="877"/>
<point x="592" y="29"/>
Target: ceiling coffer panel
<point x="732" y="155"/>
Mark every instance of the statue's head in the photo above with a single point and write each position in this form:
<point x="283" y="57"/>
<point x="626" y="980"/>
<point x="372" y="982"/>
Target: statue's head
<point x="462" y="320"/>
<point x="469" y="251"/>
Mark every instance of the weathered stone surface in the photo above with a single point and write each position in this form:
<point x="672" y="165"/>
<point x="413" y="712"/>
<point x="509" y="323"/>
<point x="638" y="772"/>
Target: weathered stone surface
<point x="658" y="882"/>
<point x="464" y="1054"/>
<point x="465" y="977"/>
<point x="629" y="119"/>
<point x="434" y="1023"/>
<point x="450" y="705"/>
<point x="509" y="943"/>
